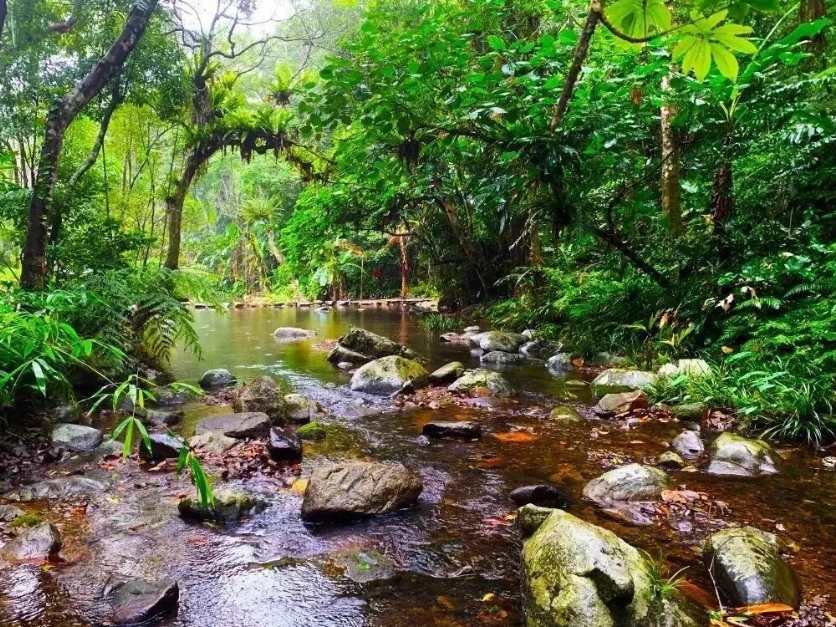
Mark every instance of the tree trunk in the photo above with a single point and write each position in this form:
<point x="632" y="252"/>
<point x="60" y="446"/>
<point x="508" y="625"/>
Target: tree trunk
<point x="810" y="11"/>
<point x="402" y="241"/>
<point x="473" y="256"/>
<point x="4" y="10"/>
<point x="61" y="116"/>
<point x="671" y="165"/>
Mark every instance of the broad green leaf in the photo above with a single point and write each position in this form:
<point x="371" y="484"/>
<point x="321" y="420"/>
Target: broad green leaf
<point x="767" y="6"/>
<point x="738" y="44"/>
<point x="40" y="378"/>
<point x="683" y="46"/>
<point x="726" y="62"/>
<point x="496" y="43"/>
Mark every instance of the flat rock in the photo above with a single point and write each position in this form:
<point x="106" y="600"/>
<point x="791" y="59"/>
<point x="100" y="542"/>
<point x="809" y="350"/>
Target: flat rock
<point x="614" y="404"/>
<point x="616" y="380"/>
<point x="500" y="357"/>
<point x="734" y="455"/>
<point x="216" y="379"/>
<point x="749" y="569"/>
<point x="239" y="426"/>
<point x="9" y="512"/>
<point x="61" y="487"/>
<point x="465" y="430"/>
<point x="541" y="495"/>
<point x="688" y="444"/>
<point x="447" y="373"/>
<point x="350" y="489"/>
<point x="213" y="443"/>
<point x="501" y="341"/>
<point x="689" y="411"/>
<point x="163" y="446"/>
<point x="284" y="446"/>
<point x="472" y="379"/>
<point x="229" y="507"/>
<point x="389" y="375"/>
<point x="292" y="334"/>
<point x="76" y="437"/>
<point x="136" y="601"/>
<point x="33" y="543"/>
<point x="264" y="396"/>
<point x="632" y="482"/>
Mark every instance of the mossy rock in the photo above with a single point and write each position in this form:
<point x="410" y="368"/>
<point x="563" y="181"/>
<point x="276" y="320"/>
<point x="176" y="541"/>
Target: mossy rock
<point x="565" y="413"/>
<point x="312" y="431"/>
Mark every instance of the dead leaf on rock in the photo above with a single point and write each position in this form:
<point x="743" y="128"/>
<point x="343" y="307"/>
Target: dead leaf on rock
<point x="516" y="437"/>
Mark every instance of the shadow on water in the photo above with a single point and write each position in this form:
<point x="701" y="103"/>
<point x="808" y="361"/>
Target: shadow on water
<point x="431" y="565"/>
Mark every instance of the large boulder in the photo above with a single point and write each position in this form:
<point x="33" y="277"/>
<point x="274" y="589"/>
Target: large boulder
<point x="471" y="379"/>
<point x="688" y="444"/>
<point x="359" y="343"/>
<point x="350" y="489"/>
<point x="447" y="373"/>
<point x="389" y="375"/>
<point x="748" y="568"/>
<point x="135" y="601"/>
<point x="614" y="404"/>
<point x="615" y="380"/>
<point x="76" y="437"/>
<point x="632" y="482"/>
<point x="33" y="543"/>
<point x="228" y="507"/>
<point x="735" y="455"/>
<point x="575" y="574"/>
<point x="238" y="426"/>
<point x="300" y="409"/>
<point x="216" y="379"/>
<point x="292" y="334"/>
<point x="262" y="395"/>
<point x="501" y="341"/>
<point x="163" y="446"/>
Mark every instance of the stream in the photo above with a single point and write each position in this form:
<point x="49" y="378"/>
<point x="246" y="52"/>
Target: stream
<point x="450" y="561"/>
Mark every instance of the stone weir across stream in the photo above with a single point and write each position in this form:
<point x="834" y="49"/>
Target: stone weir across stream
<point x="435" y="487"/>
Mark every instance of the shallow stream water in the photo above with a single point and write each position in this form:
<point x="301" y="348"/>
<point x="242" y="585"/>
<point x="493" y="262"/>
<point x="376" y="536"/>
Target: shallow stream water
<point x="450" y="561"/>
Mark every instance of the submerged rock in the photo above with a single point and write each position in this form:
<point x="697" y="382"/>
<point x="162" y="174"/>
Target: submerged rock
<point x="688" y="444"/>
<point x="541" y="495"/>
<point x="76" y="437"/>
<point x="300" y="409"/>
<point x="614" y="380"/>
<point x="163" y="418"/>
<point x="471" y="379"/>
<point x="289" y="334"/>
<point x="748" y="568"/>
<point x="61" y="487"/>
<point x="284" y="446"/>
<point x="565" y="413"/>
<point x="632" y="482"/>
<point x="163" y="446"/>
<point x="614" y="404"/>
<point x="735" y="455"/>
<point x="239" y="426"/>
<point x="350" y="489"/>
<point x="500" y="341"/>
<point x="465" y="429"/>
<point x="389" y="375"/>
<point x="575" y="574"/>
<point x="136" y="601"/>
<point x="499" y="357"/>
<point x="364" y="566"/>
<point x="262" y="395"/>
<point x="229" y="506"/>
<point x="216" y="379"/>
<point x="33" y="543"/>
<point x="213" y="443"/>
<point x="312" y="431"/>
<point x="447" y="373"/>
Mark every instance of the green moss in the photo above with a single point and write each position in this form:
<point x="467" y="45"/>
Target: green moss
<point x="311" y="431"/>
<point x="27" y="520"/>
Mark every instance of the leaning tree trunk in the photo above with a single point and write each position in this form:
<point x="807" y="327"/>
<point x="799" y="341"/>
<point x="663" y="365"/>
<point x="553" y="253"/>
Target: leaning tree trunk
<point x="4" y="10"/>
<point x="671" y="165"/>
<point x="33" y="274"/>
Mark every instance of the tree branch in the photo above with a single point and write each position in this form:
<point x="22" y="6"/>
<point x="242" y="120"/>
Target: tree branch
<point x="116" y="98"/>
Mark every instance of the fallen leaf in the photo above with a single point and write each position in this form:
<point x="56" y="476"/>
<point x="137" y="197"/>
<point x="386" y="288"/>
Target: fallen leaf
<point x="764" y="608"/>
<point x="299" y="486"/>
<point x="515" y="437"/>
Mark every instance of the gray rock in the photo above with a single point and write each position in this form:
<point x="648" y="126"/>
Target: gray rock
<point x="366" y="344"/>
<point x="364" y="566"/>
<point x="300" y="409"/>
<point x="345" y="365"/>
<point x="229" y="506"/>
<point x="264" y="396"/>
<point x="216" y="379"/>
<point x="560" y="362"/>
<point x="499" y="357"/>
<point x="9" y="512"/>
<point x="539" y="348"/>
<point x="748" y="568"/>
<point x="472" y="329"/>
<point x="668" y="371"/>
<point x="614" y="380"/>
<point x="61" y="487"/>
<point x="284" y="446"/>
<point x="541" y="495"/>
<point x="494" y="381"/>
<point x="689" y="411"/>
<point x="76" y="437"/>
<point x="389" y="375"/>
<point x="163" y="446"/>
<point x="213" y="443"/>
<point x="614" y="404"/>
<point x="447" y="373"/>
<point x="671" y="461"/>
<point x="632" y="482"/>
<point x="466" y="430"/>
<point x="292" y="334"/>
<point x="500" y="341"/>
<point x="565" y="413"/>
<point x="350" y="489"/>
<point x="575" y="574"/>
<point x="239" y="426"/>
<point x="342" y="355"/>
<point x="688" y="444"/>
<point x="164" y="418"/>
<point x="455" y="338"/>
<point x="138" y="601"/>
<point x="39" y="542"/>
<point x="735" y="455"/>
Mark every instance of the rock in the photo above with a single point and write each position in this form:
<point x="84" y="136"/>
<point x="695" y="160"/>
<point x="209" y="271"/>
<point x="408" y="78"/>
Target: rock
<point x="345" y="365"/>
<point x="138" y="601"/>
<point x="292" y="334"/>
<point x="500" y="341"/>
<point x="667" y="371"/>
<point x="312" y="431"/>
<point x="575" y="383"/>
<point x="76" y="437"/>
<point x="163" y="446"/>
<point x="732" y="454"/>
<point x="528" y="334"/>
<point x="614" y="380"/>
<point x="614" y="404"/>
<point x="67" y="412"/>
<point x="575" y="574"/>
<point x="342" y="355"/>
<point x="689" y="411"/>
<point x="539" y="348"/>
<point x="9" y="512"/>
<point x="633" y="482"/>
<point x="447" y="373"/>
<point x="264" y="396"/>
<point x="692" y="368"/>
<point x="688" y="444"/>
<point x="300" y="409"/>
<point x="364" y="566"/>
<point x="216" y="379"/>
<point x="748" y="568"/>
<point x="229" y="506"/>
<point x="366" y="345"/>
<point x="560" y="362"/>
<point x="471" y="379"/>
<point x="541" y="495"/>
<point x="350" y="489"/>
<point x="498" y="357"/>
<point x="213" y="443"/>
<point x="455" y="338"/>
<point x="531" y="517"/>
<point x="565" y="413"/>
<point x="163" y="418"/>
<point x="389" y="375"/>
<point x="239" y="426"/>
<point x="671" y="461"/>
<point x="465" y="430"/>
<point x="284" y="446"/>
<point x="61" y="487"/>
<point x="33" y="543"/>
<point x="607" y="360"/>
<point x="472" y="330"/>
